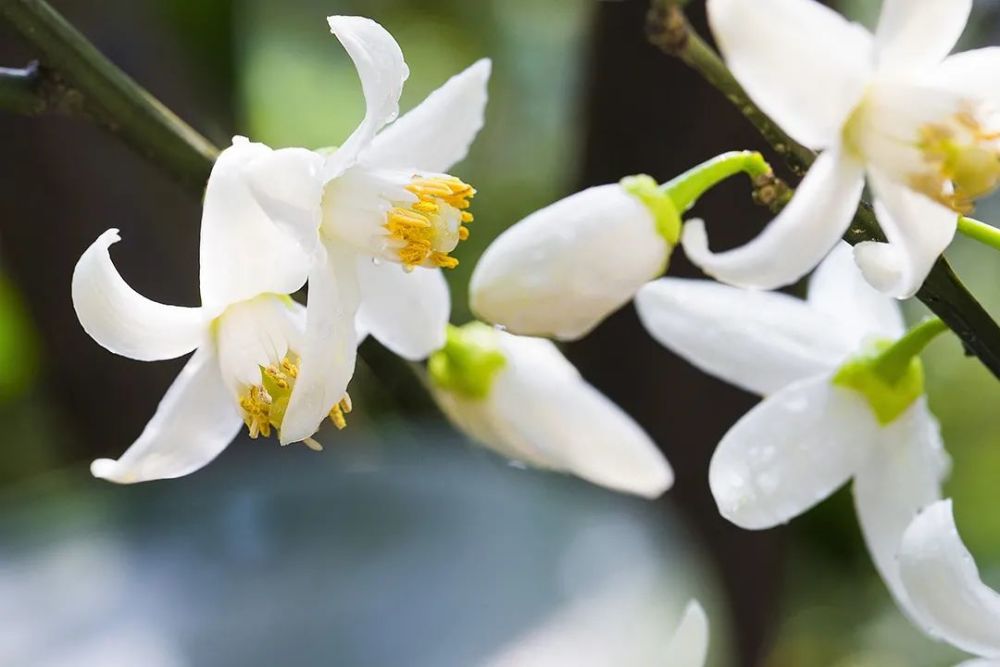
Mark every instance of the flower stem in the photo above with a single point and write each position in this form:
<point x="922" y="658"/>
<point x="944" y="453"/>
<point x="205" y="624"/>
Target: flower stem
<point x="942" y="292"/>
<point x="893" y="362"/>
<point x="686" y="189"/>
<point x="980" y="231"/>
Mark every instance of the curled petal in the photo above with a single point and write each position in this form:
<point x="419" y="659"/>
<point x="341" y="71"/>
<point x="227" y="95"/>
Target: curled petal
<point x="563" y="269"/>
<point x="329" y="347"/>
<point x="790" y="452"/>
<point x="945" y="590"/>
<point x="407" y="311"/>
<point x="795" y="241"/>
<point x="289" y="188"/>
<point x="437" y="133"/>
<point x="802" y="63"/>
<point x="759" y="341"/>
<point x="918" y="33"/>
<point x="918" y="229"/>
<point x="838" y="289"/>
<point x="124" y="321"/>
<point x="195" y="421"/>
<point x="382" y="71"/>
<point x="901" y="476"/>
<point x="689" y="645"/>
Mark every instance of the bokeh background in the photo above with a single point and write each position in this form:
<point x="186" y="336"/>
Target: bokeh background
<point x="401" y="544"/>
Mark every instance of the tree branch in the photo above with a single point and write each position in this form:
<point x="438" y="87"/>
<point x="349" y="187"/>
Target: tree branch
<point x="943" y="293"/>
<point x="76" y="79"/>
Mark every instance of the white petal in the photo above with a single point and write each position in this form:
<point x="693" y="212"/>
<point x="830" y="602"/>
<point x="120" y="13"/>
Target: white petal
<point x="979" y="663"/>
<point x="124" y="321"/>
<point x="918" y="230"/>
<point x="759" y="341"/>
<point x="255" y="333"/>
<point x="790" y="452"/>
<point x="329" y="348"/>
<point x="244" y="253"/>
<point x="689" y="645"/>
<point x="289" y="188"/>
<point x="902" y="475"/>
<point x="436" y="134"/>
<point x="972" y="74"/>
<point x="802" y="63"/>
<point x="944" y="586"/>
<point x="839" y="289"/>
<point x="917" y="33"/>
<point x="407" y="311"/>
<point x="563" y="269"/>
<point x="541" y="412"/>
<point x="795" y="241"/>
<point x="382" y="71"/>
<point x="195" y="421"/>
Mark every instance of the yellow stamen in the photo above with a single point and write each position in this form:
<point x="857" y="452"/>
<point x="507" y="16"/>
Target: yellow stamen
<point x="337" y="412"/>
<point x="428" y="229"/>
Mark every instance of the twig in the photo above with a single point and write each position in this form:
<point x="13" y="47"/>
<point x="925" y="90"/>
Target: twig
<point x="942" y="292"/>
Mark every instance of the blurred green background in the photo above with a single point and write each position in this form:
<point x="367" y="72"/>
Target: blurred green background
<point x="576" y="97"/>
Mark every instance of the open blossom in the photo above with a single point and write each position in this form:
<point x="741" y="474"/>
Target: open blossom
<point x="522" y="398"/>
<point x="822" y="422"/>
<point x="378" y="217"/>
<point x="689" y="645"/>
<point x="247" y="334"/>
<point x="924" y="128"/>
<point x="948" y="597"/>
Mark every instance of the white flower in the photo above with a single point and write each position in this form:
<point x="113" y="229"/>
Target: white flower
<point x="810" y="434"/>
<point x="922" y="126"/>
<point x="522" y="398"/>
<point x="247" y="334"/>
<point x="947" y="596"/>
<point x="370" y="212"/>
<point x="563" y="269"/>
<point x="689" y="645"/>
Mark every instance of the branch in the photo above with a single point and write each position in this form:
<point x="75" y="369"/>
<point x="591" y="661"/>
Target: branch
<point x="943" y="293"/>
<point x="78" y="80"/>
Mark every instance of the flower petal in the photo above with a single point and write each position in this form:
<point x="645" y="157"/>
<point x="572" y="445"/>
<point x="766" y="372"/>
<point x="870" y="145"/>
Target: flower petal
<point x="790" y="452"/>
<point x="255" y="333"/>
<point x="839" y="289"/>
<point x="945" y="590"/>
<point x="288" y="187"/>
<point x="902" y="475"/>
<point x="124" y="321"/>
<point x="802" y="63"/>
<point x="407" y="311"/>
<point x="329" y="347"/>
<point x="972" y="74"/>
<point x="759" y="341"/>
<point x="541" y="412"/>
<point x="244" y="253"/>
<point x="913" y="34"/>
<point x="563" y="269"/>
<point x="436" y="134"/>
<point x="795" y="241"/>
<point x="382" y="71"/>
<point x="195" y="421"/>
<point x="689" y="645"/>
<point x="918" y="230"/>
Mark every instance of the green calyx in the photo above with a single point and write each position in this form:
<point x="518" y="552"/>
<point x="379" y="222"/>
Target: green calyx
<point x="469" y="361"/>
<point x="659" y="203"/>
<point x="890" y="375"/>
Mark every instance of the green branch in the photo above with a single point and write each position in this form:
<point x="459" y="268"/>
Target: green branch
<point x="942" y="292"/>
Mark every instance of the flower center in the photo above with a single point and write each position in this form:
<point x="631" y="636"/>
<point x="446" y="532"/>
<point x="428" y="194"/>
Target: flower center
<point x="424" y="232"/>
<point x="263" y="405"/>
<point x="964" y="159"/>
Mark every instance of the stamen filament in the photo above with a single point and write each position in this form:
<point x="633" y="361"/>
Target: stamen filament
<point x="979" y="231"/>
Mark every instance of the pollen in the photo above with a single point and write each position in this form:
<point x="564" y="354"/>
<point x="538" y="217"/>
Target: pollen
<point x="964" y="160"/>
<point x="426" y="231"/>
<point x="263" y="405"/>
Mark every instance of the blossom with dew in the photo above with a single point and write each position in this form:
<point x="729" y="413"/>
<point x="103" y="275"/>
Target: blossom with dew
<point x="247" y="335"/>
<point x="947" y="596"/>
<point x="924" y="127"/>
<point x="688" y="646"/>
<point x="563" y="269"/>
<point x="378" y="216"/>
<point x="522" y="398"/>
<point x="842" y="400"/>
